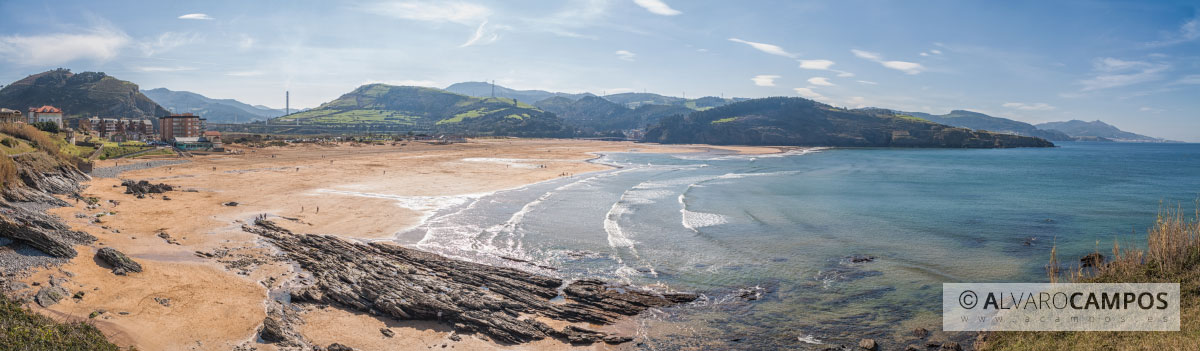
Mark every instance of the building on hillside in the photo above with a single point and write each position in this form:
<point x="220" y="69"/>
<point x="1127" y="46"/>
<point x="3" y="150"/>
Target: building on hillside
<point x="186" y="125"/>
<point x="214" y="137"/>
<point x="10" y="116"/>
<point x="46" y="113"/>
<point x="123" y="128"/>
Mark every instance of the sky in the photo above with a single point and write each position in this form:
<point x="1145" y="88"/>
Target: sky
<point x="1133" y="64"/>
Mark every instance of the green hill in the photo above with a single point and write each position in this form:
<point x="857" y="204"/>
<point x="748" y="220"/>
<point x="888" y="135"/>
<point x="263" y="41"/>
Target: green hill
<point x="1096" y="129"/>
<point x="80" y="95"/>
<point x="595" y="114"/>
<point x="429" y="109"/>
<point x="797" y="121"/>
<point x="214" y="110"/>
<point x="979" y="121"/>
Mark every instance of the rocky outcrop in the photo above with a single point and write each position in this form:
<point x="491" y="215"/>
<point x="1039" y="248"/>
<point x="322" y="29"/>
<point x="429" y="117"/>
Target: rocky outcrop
<point x="120" y="263"/>
<point x="408" y="284"/>
<point x="279" y="327"/>
<point x="23" y="210"/>
<point x="40" y="230"/>
<point x="141" y="188"/>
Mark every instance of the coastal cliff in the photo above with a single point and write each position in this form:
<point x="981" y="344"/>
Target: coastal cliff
<point x="803" y="122"/>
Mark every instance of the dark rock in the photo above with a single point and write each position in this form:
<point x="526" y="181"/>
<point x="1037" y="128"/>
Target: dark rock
<point x="454" y="337"/>
<point x="230" y="204"/>
<point x="912" y="347"/>
<point x="615" y="339"/>
<point x="50" y="295"/>
<point x="868" y="344"/>
<point x="338" y="347"/>
<point x="387" y="332"/>
<point x="40" y="230"/>
<point x="920" y="333"/>
<point x="861" y="258"/>
<point x="279" y="327"/>
<point x="1094" y="259"/>
<point x="141" y="188"/>
<point x="120" y="263"/>
<point x="408" y="284"/>
<point x="951" y="346"/>
<point x="165" y="301"/>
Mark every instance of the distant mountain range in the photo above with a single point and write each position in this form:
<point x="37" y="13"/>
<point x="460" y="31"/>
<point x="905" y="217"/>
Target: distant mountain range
<point x="979" y="121"/>
<point x="1097" y="130"/>
<point x="214" y="110"/>
<point x="484" y="89"/>
<point x="430" y="109"/>
<point x="803" y="122"/>
<point x="596" y="114"/>
<point x="83" y="94"/>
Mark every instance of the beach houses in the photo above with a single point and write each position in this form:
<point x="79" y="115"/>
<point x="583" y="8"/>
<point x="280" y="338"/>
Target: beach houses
<point x="184" y="125"/>
<point x="46" y="113"/>
<point x="10" y="116"/>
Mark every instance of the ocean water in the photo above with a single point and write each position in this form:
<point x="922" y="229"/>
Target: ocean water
<point x="769" y="240"/>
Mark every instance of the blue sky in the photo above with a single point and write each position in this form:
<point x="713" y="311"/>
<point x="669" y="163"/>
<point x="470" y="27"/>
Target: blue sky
<point x="1135" y="64"/>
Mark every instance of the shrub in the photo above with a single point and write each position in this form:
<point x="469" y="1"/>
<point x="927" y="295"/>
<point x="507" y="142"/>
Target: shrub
<point x="48" y="127"/>
<point x="38" y="139"/>
<point x="21" y="329"/>
<point x="9" y="142"/>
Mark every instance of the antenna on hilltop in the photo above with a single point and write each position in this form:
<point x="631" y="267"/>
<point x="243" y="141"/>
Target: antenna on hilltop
<point x="493" y="88"/>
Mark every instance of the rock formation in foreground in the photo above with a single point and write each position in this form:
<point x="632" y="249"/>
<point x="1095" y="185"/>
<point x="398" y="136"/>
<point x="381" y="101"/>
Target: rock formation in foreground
<point x="408" y="284"/>
<point x="23" y="208"/>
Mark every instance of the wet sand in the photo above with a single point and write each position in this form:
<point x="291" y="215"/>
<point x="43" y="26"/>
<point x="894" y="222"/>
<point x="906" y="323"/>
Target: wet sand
<point x="219" y="279"/>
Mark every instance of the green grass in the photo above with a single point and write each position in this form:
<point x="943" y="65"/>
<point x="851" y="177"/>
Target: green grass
<point x="912" y="118"/>
<point x="21" y="329"/>
<point x="18" y="146"/>
<point x="479" y="112"/>
<point x="158" y="152"/>
<point x="724" y="120"/>
<point x="115" y="151"/>
<point x="1171" y="256"/>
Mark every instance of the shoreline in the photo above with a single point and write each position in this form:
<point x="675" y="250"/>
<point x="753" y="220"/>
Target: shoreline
<point x="201" y="239"/>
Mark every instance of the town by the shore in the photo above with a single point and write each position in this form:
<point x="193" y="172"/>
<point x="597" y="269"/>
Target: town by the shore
<point x="206" y="283"/>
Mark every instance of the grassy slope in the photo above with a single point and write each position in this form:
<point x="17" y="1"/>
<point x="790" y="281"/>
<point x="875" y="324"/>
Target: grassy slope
<point x="1172" y="256"/>
<point x="21" y="329"/>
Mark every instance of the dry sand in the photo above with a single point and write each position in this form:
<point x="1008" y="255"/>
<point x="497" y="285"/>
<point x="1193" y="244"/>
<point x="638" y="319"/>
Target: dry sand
<point x="362" y="192"/>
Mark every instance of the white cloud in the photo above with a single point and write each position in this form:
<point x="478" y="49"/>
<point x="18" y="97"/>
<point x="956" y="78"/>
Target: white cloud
<point x="196" y="16"/>
<point x="821" y="81"/>
<point x="823" y="65"/>
<point x="1189" y="79"/>
<point x="404" y="82"/>
<point x="625" y="55"/>
<point x="809" y="93"/>
<point x="767" y="48"/>
<point x="1150" y="109"/>
<point x="657" y="7"/>
<point x="164" y="69"/>
<point x="244" y="73"/>
<point x="166" y="41"/>
<point x="867" y="82"/>
<point x="439" y="11"/>
<point x="1189" y="31"/>
<point x="764" y="80"/>
<point x="245" y="42"/>
<point x="1040" y="106"/>
<point x="816" y="64"/>
<point x="482" y="36"/>
<point x="101" y="43"/>
<point x="935" y="52"/>
<point x="1113" y="73"/>
<point x="903" y="66"/>
<point x="906" y="67"/>
<point x="866" y="55"/>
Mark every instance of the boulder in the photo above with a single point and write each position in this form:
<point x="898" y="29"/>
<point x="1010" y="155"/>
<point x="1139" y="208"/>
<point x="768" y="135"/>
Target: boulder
<point x="50" y="295"/>
<point x="120" y="263"/>
<point x="868" y="344"/>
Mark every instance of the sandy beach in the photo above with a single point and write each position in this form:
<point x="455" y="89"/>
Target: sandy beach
<point x="207" y="284"/>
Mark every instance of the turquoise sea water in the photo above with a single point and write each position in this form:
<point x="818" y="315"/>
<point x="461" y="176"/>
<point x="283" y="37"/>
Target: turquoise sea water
<point x="782" y="229"/>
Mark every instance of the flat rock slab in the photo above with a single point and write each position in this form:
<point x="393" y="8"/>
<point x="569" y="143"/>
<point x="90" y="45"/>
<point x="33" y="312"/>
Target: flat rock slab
<point x="408" y="284"/>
